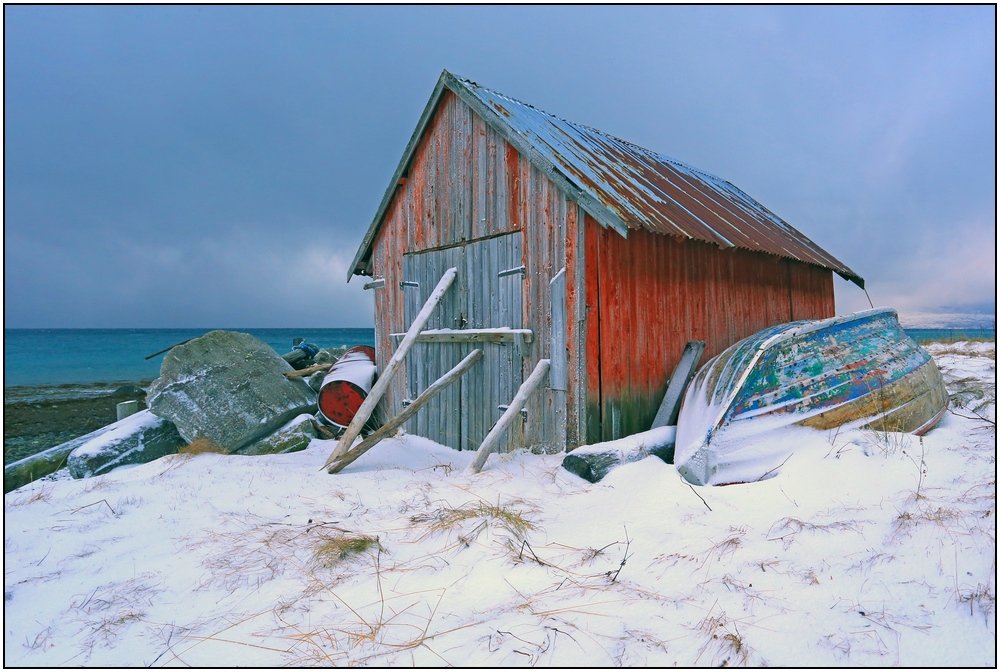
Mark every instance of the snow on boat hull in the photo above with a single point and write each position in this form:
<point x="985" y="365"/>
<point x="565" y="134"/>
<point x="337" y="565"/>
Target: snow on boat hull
<point x="860" y="370"/>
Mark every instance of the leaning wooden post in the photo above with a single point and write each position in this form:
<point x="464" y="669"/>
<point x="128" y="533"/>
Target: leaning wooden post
<point x="407" y="413"/>
<point x="533" y="382"/>
<point x="671" y="405"/>
<point x="371" y="401"/>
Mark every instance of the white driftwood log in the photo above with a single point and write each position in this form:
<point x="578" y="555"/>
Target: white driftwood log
<point x="388" y="428"/>
<point x="527" y="388"/>
<point x="371" y="401"/>
<point x="593" y="462"/>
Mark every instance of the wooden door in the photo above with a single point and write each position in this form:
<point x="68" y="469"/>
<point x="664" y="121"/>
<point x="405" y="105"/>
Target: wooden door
<point x="483" y="296"/>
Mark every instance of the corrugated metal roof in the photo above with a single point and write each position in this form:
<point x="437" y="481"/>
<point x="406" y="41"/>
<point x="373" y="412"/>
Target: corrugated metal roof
<point x="626" y="186"/>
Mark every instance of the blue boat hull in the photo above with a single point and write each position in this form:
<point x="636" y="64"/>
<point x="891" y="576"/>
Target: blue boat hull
<point x="859" y="370"/>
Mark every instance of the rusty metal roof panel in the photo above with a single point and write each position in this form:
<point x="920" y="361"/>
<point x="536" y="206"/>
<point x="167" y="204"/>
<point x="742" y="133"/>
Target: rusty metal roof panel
<point x="643" y="189"/>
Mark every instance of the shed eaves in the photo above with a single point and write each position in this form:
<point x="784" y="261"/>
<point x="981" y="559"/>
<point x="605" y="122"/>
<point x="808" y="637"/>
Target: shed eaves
<point x="621" y="184"/>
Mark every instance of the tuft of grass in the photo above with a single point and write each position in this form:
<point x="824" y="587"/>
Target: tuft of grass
<point x="96" y="484"/>
<point x="109" y="610"/>
<point x="449" y="518"/>
<point x="724" y="638"/>
<point x="202" y="445"/>
<point x="786" y="528"/>
<point x="982" y="596"/>
<point x="42" y="495"/>
<point x="332" y="550"/>
<point x="885" y="435"/>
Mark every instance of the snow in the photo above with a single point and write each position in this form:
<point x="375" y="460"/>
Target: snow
<point x="117" y="432"/>
<point x="634" y="444"/>
<point x="851" y="555"/>
<point x="353" y="367"/>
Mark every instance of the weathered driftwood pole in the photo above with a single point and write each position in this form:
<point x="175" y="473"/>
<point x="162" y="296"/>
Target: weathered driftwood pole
<point x="309" y="370"/>
<point x="160" y="352"/>
<point x="371" y="401"/>
<point x="35" y="466"/>
<point x="388" y="428"/>
<point x="527" y="388"/>
<point x="592" y="463"/>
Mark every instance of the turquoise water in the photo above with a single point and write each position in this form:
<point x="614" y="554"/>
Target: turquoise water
<point x="43" y="357"/>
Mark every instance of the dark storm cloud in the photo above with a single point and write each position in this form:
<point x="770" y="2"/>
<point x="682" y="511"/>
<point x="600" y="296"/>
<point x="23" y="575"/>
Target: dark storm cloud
<point x="217" y="166"/>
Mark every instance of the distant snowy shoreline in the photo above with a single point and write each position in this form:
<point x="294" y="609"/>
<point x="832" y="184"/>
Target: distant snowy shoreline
<point x="948" y="320"/>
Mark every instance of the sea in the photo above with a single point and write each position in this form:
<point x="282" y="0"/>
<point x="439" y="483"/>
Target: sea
<point x="78" y="357"/>
<point x="92" y="360"/>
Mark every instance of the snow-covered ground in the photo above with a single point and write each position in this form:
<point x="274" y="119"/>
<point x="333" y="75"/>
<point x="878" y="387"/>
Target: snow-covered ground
<point x="866" y="549"/>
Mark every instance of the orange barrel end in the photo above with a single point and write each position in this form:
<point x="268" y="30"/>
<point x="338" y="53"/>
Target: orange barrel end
<point x="347" y="384"/>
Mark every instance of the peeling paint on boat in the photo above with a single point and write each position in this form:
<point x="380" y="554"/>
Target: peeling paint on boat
<point x="858" y="369"/>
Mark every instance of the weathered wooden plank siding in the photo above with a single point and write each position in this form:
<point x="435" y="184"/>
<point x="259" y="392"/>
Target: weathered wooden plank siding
<point x="576" y="316"/>
<point x="466" y="186"/>
<point x="592" y="328"/>
<point x="544" y="251"/>
<point x="657" y="292"/>
<point x="387" y="263"/>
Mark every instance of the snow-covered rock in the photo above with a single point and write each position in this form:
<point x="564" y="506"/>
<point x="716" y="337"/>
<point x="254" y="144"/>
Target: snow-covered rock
<point x="291" y="438"/>
<point x="227" y="387"/>
<point x="141" y="437"/>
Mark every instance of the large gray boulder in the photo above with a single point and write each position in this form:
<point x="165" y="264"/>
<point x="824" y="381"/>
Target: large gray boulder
<point x="139" y="438"/>
<point x="291" y="438"/>
<point x="227" y="387"/>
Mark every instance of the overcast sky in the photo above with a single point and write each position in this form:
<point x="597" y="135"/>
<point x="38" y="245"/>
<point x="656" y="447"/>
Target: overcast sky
<point x="192" y="166"/>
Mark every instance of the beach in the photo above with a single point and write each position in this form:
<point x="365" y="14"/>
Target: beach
<point x="38" y="417"/>
<point x="63" y="383"/>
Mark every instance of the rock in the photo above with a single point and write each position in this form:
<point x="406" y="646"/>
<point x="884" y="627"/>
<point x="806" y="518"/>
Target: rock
<point x="227" y="387"/>
<point x="315" y="381"/>
<point x="129" y="391"/>
<point x="329" y="355"/>
<point x="139" y="438"/>
<point x="293" y="437"/>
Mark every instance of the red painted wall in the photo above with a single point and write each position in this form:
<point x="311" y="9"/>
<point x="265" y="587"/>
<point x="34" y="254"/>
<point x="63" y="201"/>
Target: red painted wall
<point x="654" y="293"/>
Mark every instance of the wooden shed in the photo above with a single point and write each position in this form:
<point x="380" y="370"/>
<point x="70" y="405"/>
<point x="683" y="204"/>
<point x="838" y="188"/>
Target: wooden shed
<point x="571" y="245"/>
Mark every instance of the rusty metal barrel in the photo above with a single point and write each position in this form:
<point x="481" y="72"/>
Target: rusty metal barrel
<point x="346" y="385"/>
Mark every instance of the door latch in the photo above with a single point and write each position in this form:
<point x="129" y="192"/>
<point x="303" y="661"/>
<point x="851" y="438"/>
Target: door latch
<point x="524" y="412"/>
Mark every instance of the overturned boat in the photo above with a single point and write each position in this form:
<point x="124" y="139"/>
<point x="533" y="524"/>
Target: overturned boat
<point x="859" y="370"/>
